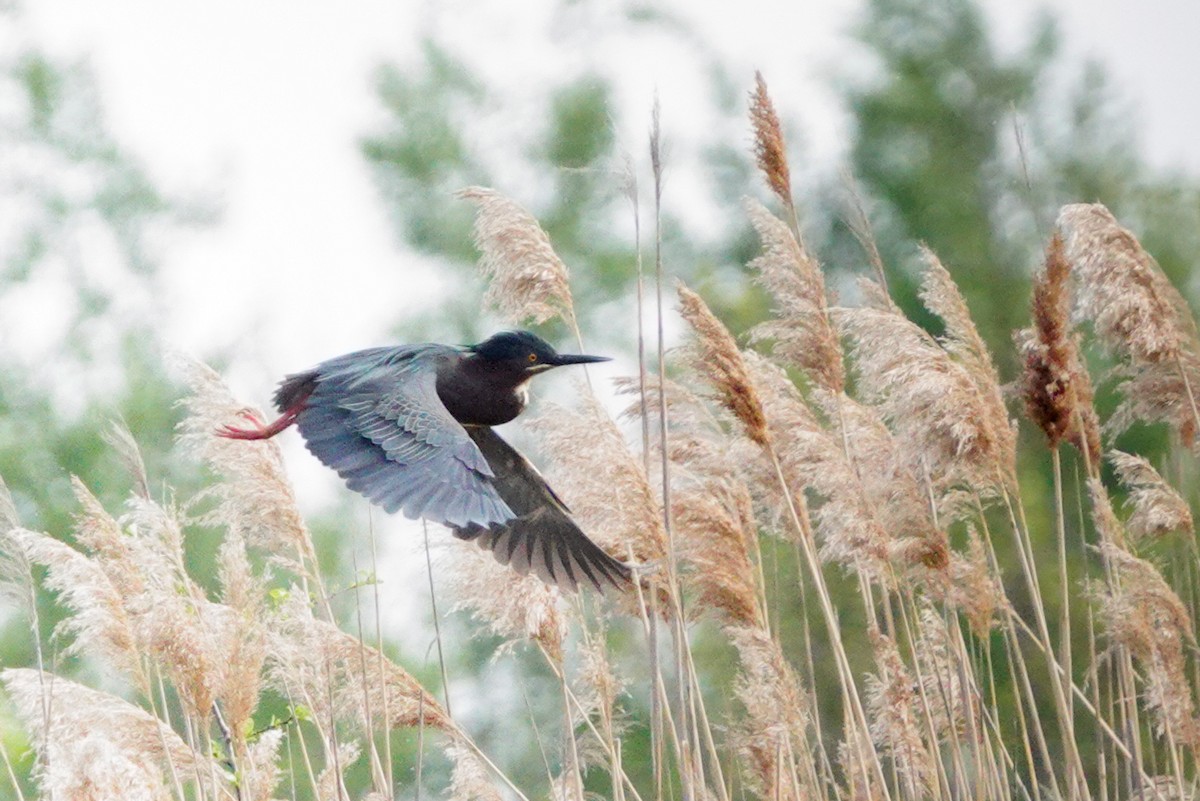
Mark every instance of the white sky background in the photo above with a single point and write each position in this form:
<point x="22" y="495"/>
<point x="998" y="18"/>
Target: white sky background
<point x="266" y="101"/>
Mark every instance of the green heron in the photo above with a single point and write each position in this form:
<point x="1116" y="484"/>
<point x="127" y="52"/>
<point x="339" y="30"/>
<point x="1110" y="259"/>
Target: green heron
<point x="410" y="427"/>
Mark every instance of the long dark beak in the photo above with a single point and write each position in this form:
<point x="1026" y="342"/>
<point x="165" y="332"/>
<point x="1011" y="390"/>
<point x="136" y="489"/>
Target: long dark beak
<point x="562" y="359"/>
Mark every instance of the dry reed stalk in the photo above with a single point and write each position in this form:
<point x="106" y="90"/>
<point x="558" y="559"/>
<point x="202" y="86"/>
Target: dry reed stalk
<point x="800" y="329"/>
<point x="95" y="745"/>
<point x="1055" y="384"/>
<point x="527" y="281"/>
<point x="1157" y="508"/>
<point x="1139" y="316"/>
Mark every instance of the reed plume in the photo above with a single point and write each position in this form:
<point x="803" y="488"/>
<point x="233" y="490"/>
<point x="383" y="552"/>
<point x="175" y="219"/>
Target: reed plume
<point x="769" y="150"/>
<point x="715" y="355"/>
<point x="933" y="405"/>
<point x="1145" y="615"/>
<point x="962" y="341"/>
<point x="512" y="607"/>
<point x="1157" y="509"/>
<point x="1055" y="384"/>
<point x="1137" y="315"/>
<point x="527" y="279"/>
<point x="254" y="495"/>
<point x="800" y="329"/>
<point x="894" y="706"/>
<point x="94" y="745"/>
<point x="603" y="482"/>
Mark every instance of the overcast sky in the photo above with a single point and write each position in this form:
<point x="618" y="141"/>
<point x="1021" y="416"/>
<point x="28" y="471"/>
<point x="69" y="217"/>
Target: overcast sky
<point x="265" y="101"/>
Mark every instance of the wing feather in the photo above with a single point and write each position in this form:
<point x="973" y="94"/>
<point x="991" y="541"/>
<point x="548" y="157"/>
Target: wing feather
<point x="375" y="417"/>
<point x="542" y="537"/>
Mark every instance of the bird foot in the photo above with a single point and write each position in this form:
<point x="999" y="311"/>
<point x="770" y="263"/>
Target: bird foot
<point x="259" y="431"/>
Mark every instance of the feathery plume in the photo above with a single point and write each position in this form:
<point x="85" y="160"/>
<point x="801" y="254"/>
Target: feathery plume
<point x="776" y="719"/>
<point x="512" y="607"/>
<point x="469" y="779"/>
<point x="95" y="745"/>
<point x="716" y="357"/>
<point x="8" y="510"/>
<point x="604" y="484"/>
<point x="254" y="496"/>
<point x="940" y="295"/>
<point x="242" y="595"/>
<point x="528" y="281"/>
<point x="802" y="333"/>
<point x="1055" y="384"/>
<point x="340" y="677"/>
<point x="121" y="440"/>
<point x="1158" y="509"/>
<point x="1138" y="315"/>
<point x="769" y="149"/>
<point x="99" y="623"/>
<point x="1144" y="614"/>
<point x="887" y="482"/>
<point x="971" y="587"/>
<point x="715" y="527"/>
<point x="932" y="403"/>
<point x="893" y="706"/>
<point x="811" y="458"/>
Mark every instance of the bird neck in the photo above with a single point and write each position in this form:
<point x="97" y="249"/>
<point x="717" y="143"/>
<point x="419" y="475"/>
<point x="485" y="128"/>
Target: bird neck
<point x="481" y="393"/>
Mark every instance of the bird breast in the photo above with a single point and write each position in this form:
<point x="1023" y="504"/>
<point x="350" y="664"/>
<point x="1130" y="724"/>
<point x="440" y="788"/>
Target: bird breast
<point x="475" y="401"/>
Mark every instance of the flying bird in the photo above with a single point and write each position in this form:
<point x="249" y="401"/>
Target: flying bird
<point x="411" y="428"/>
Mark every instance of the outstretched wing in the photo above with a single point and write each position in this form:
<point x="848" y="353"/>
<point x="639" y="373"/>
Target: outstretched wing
<point x="542" y="537"/>
<point x="375" y="417"/>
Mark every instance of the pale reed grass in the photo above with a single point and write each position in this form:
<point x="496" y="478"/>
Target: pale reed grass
<point x="800" y="329"/>
<point x="945" y="426"/>
<point x="1139" y="316"/>
<point x="512" y="607"/>
<point x="1156" y="508"/>
<point x="1144" y="614"/>
<point x="1055" y="385"/>
<point x="253" y="493"/>
<point x="527" y="280"/>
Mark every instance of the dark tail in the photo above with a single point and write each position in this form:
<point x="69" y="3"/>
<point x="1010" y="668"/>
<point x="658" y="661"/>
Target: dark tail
<point x="294" y="390"/>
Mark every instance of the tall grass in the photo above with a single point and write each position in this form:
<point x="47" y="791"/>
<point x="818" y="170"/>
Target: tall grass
<point x="844" y="517"/>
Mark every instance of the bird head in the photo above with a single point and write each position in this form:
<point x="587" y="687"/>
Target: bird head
<point x="524" y="354"/>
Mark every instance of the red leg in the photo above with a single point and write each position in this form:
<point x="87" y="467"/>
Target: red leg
<point x="260" y="431"/>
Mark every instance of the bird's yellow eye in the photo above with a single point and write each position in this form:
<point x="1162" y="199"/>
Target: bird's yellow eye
<point x="532" y="358"/>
